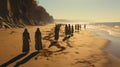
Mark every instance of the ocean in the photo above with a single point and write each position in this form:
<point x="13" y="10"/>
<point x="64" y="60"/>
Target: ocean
<point x="112" y="28"/>
<point x="110" y="31"/>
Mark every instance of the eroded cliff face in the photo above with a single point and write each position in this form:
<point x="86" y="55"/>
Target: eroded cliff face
<point x="18" y="13"/>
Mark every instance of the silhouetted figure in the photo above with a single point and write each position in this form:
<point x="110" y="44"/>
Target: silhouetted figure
<point x="69" y="29"/>
<point x="66" y="30"/>
<point x="84" y="26"/>
<point x="80" y="26"/>
<point x="57" y="28"/>
<point x="38" y="40"/>
<point x="72" y="30"/>
<point x="0" y="24"/>
<point x="26" y="40"/>
<point x="75" y="26"/>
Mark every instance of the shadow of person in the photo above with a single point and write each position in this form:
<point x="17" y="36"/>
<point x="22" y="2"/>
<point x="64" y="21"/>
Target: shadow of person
<point x="26" y="59"/>
<point x="65" y="38"/>
<point x="56" y="43"/>
<point x="62" y="48"/>
<point x="14" y="59"/>
<point x="52" y="44"/>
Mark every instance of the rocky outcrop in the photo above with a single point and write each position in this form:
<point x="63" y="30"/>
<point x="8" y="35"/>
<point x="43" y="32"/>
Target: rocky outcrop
<point x="18" y="13"/>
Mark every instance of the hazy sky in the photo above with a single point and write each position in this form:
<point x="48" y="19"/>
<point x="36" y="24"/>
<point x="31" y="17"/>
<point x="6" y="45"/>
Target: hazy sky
<point x="88" y="10"/>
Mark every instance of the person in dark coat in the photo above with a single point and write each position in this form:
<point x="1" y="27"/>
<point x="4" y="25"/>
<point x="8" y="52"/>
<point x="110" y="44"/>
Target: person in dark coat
<point x="75" y="26"/>
<point x="38" y="40"/>
<point x="26" y="40"/>
<point x="69" y="29"/>
<point x="57" y="28"/>
<point x="80" y="26"/>
<point x="72" y="30"/>
<point x="84" y="26"/>
<point x="66" y="30"/>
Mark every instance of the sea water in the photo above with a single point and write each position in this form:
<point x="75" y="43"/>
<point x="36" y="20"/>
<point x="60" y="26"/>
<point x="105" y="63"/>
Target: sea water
<point x="110" y="31"/>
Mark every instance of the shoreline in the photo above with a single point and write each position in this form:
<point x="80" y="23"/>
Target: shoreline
<point x="113" y="61"/>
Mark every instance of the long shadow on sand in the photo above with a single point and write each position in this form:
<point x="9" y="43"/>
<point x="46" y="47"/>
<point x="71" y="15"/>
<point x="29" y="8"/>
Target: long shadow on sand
<point x="66" y="38"/>
<point x="26" y="59"/>
<point x="13" y="59"/>
<point x="56" y="43"/>
<point x="52" y="44"/>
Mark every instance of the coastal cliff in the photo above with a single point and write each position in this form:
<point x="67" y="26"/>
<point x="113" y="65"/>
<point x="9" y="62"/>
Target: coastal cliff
<point x="18" y="13"/>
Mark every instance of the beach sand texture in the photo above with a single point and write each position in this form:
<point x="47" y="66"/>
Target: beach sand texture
<point x="84" y="49"/>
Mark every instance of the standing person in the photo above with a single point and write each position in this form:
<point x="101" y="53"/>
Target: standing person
<point x="80" y="27"/>
<point x="26" y="40"/>
<point x="84" y="26"/>
<point x="56" y="31"/>
<point x="69" y="29"/>
<point x="38" y="40"/>
<point x="0" y="24"/>
<point x="75" y="26"/>
<point x="66" y="30"/>
<point x="72" y="30"/>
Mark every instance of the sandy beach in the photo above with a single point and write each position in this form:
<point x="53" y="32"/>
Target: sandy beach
<point x="84" y="49"/>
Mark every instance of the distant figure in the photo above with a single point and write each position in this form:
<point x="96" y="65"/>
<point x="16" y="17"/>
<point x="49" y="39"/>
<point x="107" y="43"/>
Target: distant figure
<point x="75" y="26"/>
<point x="80" y="26"/>
<point x="38" y="40"/>
<point x="66" y="30"/>
<point x="84" y="26"/>
<point x="26" y="40"/>
<point x="72" y="30"/>
<point x="69" y="29"/>
<point x="56" y="31"/>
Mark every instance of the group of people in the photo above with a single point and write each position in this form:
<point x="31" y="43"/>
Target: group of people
<point x="26" y="40"/>
<point x="69" y="31"/>
<point x="56" y="31"/>
<point x="78" y="27"/>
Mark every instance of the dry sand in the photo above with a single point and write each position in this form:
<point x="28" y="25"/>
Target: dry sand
<point x="84" y="49"/>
